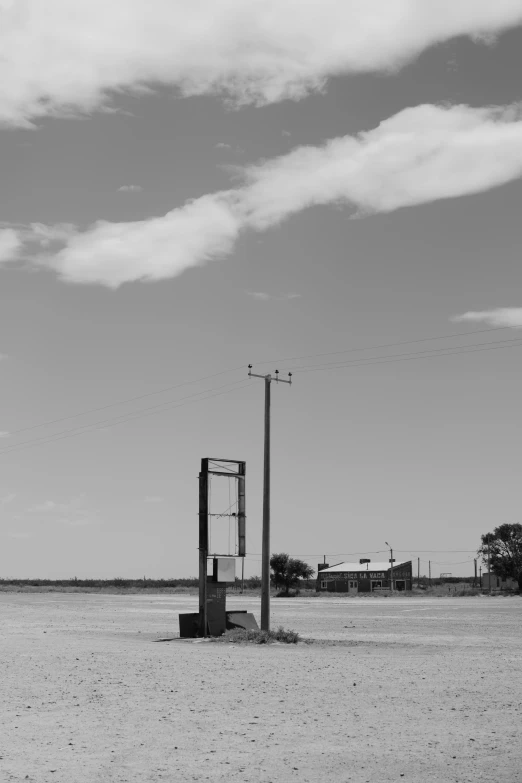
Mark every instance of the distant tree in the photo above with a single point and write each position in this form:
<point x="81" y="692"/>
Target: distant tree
<point x="288" y="571"/>
<point x="504" y="545"/>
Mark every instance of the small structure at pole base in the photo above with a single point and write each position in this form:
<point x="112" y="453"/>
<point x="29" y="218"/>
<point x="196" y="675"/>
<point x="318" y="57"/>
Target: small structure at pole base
<point x="213" y="618"/>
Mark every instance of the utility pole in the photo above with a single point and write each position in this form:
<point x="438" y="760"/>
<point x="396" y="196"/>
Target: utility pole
<point x="265" y="549"/>
<point x="475" y="572"/>
<point x="489" y="567"/>
<point x="242" y="575"/>
<point x="429" y="571"/>
<point x="418" y="572"/>
<point x="391" y="567"/>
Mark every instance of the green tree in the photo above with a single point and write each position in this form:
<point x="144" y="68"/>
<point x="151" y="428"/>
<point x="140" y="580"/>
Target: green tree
<point x="504" y="545"/>
<point x="288" y="571"/>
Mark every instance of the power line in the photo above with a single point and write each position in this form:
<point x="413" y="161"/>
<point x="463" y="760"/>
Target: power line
<point x="235" y="369"/>
<point x="123" y="402"/>
<point x="430" y="354"/>
<point x="385" y="345"/>
<point x="113" y="421"/>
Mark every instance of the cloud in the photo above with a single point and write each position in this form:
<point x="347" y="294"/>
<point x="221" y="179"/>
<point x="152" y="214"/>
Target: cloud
<point x="263" y="297"/>
<point x="419" y="155"/>
<point x="153" y="499"/>
<point x="130" y="189"/>
<point x="4" y="434"/>
<point x="222" y="146"/>
<point x="8" y="498"/>
<point x="114" y="253"/>
<point x="10" y="244"/>
<point x="72" y="512"/>
<point x="502" y="316"/>
<point x="58" y="63"/>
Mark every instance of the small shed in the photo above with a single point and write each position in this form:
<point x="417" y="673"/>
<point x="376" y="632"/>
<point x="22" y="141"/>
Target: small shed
<point x="498" y="583"/>
<point x="364" y="577"/>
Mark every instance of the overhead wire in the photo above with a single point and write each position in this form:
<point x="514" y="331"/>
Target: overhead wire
<point x="124" y="418"/>
<point x="125" y="401"/>
<point x="433" y="353"/>
<point x="235" y="369"/>
<point x="384" y="345"/>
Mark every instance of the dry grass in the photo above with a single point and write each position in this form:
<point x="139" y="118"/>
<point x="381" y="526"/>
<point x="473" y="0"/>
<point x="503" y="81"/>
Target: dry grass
<point x="243" y="636"/>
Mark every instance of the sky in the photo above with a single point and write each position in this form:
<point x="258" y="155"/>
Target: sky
<point x="331" y="189"/>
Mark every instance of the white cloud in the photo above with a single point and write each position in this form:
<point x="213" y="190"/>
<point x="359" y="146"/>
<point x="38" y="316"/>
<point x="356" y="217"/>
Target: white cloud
<point x="114" y="253"/>
<point x="8" y="498"/>
<point x="10" y="244"/>
<point x="130" y="189"/>
<point x="153" y="499"/>
<point x="4" y="434"/>
<point x="501" y="316"/>
<point x="58" y="62"/>
<point x="222" y="146"/>
<point x="419" y="155"/>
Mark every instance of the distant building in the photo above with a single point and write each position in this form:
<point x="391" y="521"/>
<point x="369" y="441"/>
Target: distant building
<point x="363" y="577"/>
<point x="498" y="583"/>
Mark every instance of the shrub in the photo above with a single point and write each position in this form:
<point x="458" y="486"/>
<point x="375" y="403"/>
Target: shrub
<point x="243" y="636"/>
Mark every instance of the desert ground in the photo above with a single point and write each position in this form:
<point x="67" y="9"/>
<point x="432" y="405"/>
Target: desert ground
<point x="394" y="689"/>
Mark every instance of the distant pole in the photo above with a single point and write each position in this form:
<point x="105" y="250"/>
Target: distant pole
<point x="418" y="572"/>
<point x="429" y="571"/>
<point x="489" y="567"/>
<point x="391" y="567"/>
<point x="265" y="549"/>
<point x="475" y="572"/>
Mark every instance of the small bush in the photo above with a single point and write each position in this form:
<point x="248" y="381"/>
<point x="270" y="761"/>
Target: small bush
<point x="243" y="636"/>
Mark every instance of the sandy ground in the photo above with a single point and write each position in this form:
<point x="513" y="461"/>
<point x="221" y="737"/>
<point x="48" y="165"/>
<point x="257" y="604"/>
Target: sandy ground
<point x="399" y="690"/>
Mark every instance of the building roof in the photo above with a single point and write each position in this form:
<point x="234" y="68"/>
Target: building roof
<point x="352" y="567"/>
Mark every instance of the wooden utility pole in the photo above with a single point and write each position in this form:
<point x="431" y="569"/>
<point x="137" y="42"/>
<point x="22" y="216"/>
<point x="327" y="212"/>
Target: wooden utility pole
<point x="489" y="567"/>
<point x="265" y="549"/>
<point x="429" y="571"/>
<point x="418" y="572"/>
<point x="391" y="567"/>
<point x="475" y="572"/>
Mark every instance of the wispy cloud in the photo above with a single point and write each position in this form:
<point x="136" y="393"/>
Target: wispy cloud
<point x="54" y="62"/>
<point x="73" y="512"/>
<point x="10" y="244"/>
<point x="153" y="499"/>
<point x="264" y="297"/>
<point x="130" y="189"/>
<point x="7" y="498"/>
<point x="418" y="156"/>
<point x="19" y="534"/>
<point x="501" y="316"/>
<point x="222" y="146"/>
<point x="4" y="434"/>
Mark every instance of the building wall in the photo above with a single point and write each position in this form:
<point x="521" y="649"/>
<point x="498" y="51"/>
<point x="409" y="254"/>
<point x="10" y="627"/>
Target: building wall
<point x="339" y="582"/>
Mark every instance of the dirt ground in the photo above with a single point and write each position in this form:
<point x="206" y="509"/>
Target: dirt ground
<point x="399" y="689"/>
